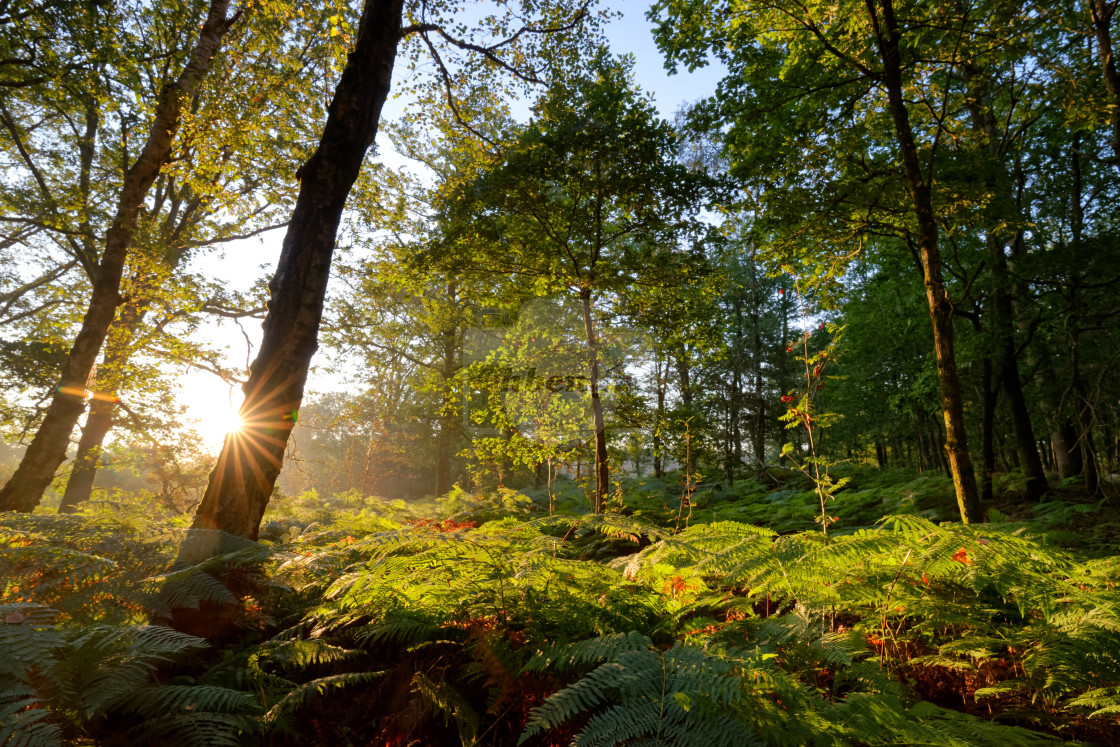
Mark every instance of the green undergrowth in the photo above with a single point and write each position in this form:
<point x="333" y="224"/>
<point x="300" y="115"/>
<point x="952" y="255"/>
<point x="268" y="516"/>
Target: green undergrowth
<point x="484" y="620"/>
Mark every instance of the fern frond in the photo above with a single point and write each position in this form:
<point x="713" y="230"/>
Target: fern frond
<point x="28" y="637"/>
<point x="445" y="700"/>
<point x="592" y="651"/>
<point x="300" y="695"/>
<point x="23" y="721"/>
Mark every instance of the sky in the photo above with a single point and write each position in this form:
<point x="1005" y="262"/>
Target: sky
<point x="208" y="399"/>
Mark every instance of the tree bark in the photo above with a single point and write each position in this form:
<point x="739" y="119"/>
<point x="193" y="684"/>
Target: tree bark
<point x="1009" y="377"/>
<point x="1066" y="451"/>
<point x="940" y="307"/>
<point x="602" y="466"/>
<point x="80" y="485"/>
<point x="48" y="449"/>
<point x="99" y="421"/>
<point x="242" y="481"/>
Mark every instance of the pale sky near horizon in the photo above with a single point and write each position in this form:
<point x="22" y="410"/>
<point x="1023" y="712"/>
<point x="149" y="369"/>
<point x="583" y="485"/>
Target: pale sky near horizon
<point x="242" y="263"/>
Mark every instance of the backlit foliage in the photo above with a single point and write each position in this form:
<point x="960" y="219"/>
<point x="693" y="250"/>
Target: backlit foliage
<point x="370" y="621"/>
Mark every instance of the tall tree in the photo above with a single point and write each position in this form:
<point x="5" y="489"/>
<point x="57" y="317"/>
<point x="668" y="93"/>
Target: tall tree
<point x="223" y="185"/>
<point x="589" y="203"/>
<point x="242" y="482"/>
<point x="48" y="449"/>
<point x="862" y="103"/>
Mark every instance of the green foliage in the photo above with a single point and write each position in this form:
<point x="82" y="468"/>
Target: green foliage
<point x="603" y="629"/>
<point x="80" y="678"/>
<point x="682" y="696"/>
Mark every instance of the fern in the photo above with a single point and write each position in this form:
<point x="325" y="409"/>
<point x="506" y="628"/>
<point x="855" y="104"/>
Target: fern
<point x="22" y="722"/>
<point x="445" y="700"/>
<point x="591" y="651"/>
<point x="278" y="716"/>
<point x="682" y="696"/>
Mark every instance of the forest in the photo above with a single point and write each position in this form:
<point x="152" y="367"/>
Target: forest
<point x="786" y="415"/>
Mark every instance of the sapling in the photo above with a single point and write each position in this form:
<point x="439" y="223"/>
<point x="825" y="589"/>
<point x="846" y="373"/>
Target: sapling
<point x="803" y="412"/>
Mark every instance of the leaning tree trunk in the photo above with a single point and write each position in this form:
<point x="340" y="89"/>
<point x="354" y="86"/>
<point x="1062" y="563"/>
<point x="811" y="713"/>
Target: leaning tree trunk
<point x="243" y="479"/>
<point x="602" y="465"/>
<point x="80" y="485"/>
<point x="940" y="307"/>
<point x="99" y="421"/>
<point x="48" y="449"/>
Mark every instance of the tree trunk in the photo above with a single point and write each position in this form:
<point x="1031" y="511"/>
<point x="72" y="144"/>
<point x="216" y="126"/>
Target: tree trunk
<point x="1101" y="12"/>
<point x="659" y="418"/>
<point x="1063" y="458"/>
<point x="99" y="422"/>
<point x="986" y="128"/>
<point x="940" y="307"/>
<point x="243" y="479"/>
<point x="1009" y="378"/>
<point x="80" y="485"/>
<point x="448" y="423"/>
<point x="48" y="449"/>
<point x="758" y="432"/>
<point x="987" y="447"/>
<point x="602" y="467"/>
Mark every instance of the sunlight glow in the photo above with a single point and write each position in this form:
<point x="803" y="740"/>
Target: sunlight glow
<point x="228" y="422"/>
<point x="211" y="411"/>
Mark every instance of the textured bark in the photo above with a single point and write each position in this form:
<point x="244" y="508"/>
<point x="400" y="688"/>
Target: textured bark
<point x="940" y="307"/>
<point x="602" y="465"/>
<point x="99" y="421"/>
<point x="48" y="449"/>
<point x="242" y="481"/>
<point x="80" y="485"/>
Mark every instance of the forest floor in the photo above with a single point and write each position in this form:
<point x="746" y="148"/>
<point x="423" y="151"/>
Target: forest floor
<point x="517" y="617"/>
